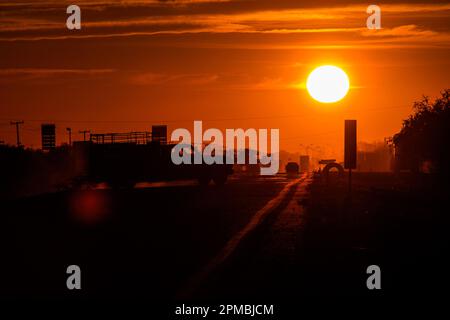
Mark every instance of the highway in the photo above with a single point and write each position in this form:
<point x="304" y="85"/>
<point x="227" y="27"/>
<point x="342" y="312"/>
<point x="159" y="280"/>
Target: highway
<point x="276" y="226"/>
<point x="168" y="241"/>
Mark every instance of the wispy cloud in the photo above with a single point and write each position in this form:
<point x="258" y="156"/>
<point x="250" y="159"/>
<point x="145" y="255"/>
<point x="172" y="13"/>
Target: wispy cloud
<point x="52" y="72"/>
<point x="110" y="19"/>
<point x="151" y="78"/>
<point x="42" y="74"/>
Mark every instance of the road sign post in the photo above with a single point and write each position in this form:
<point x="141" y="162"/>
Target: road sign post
<point x="48" y="136"/>
<point x="350" y="150"/>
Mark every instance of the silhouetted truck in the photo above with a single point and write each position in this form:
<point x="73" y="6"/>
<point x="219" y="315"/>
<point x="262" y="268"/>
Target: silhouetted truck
<point x="124" y="159"/>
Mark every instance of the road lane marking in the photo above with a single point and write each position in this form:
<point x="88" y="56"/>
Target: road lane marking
<point x="199" y="278"/>
<point x="280" y="243"/>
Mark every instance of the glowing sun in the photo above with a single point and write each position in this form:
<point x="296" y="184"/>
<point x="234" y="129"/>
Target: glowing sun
<point x="328" y="84"/>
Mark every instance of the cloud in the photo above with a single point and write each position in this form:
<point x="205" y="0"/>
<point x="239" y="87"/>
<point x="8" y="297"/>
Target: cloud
<point x="401" y="31"/>
<point x="52" y="72"/>
<point x="264" y="84"/>
<point x="151" y="78"/>
<point x="41" y="20"/>
<point x="33" y="74"/>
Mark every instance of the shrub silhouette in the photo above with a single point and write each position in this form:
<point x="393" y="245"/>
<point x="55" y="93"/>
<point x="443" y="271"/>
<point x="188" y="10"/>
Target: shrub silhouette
<point x="425" y="136"/>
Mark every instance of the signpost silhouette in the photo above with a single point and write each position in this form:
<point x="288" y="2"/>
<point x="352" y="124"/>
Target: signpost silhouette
<point x="350" y="150"/>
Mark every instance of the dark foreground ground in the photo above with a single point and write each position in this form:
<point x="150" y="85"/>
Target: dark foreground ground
<point x="128" y="243"/>
<point x="153" y="243"/>
<point x="400" y="224"/>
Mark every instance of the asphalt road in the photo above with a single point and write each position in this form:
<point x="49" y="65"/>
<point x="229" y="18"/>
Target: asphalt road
<point x="165" y="241"/>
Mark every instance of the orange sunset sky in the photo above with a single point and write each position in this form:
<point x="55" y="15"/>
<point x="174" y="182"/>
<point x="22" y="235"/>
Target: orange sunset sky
<point x="230" y="63"/>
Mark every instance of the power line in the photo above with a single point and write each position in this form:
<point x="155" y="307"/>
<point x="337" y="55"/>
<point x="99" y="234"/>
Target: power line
<point x="162" y="121"/>
<point x="189" y="120"/>
<point x="310" y="135"/>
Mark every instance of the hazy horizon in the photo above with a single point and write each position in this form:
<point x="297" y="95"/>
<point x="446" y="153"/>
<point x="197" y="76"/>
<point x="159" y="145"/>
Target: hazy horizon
<point x="231" y="64"/>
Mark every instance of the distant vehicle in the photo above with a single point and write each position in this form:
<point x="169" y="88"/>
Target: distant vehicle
<point x="124" y="159"/>
<point x="292" y="169"/>
<point x="327" y="161"/>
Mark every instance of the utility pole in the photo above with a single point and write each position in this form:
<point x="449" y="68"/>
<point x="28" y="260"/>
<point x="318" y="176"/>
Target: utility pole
<point x="84" y="133"/>
<point x="69" y="130"/>
<point x="17" y="124"/>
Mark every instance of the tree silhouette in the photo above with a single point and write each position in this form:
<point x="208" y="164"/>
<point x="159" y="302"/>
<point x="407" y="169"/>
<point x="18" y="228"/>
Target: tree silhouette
<point x="425" y="136"/>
